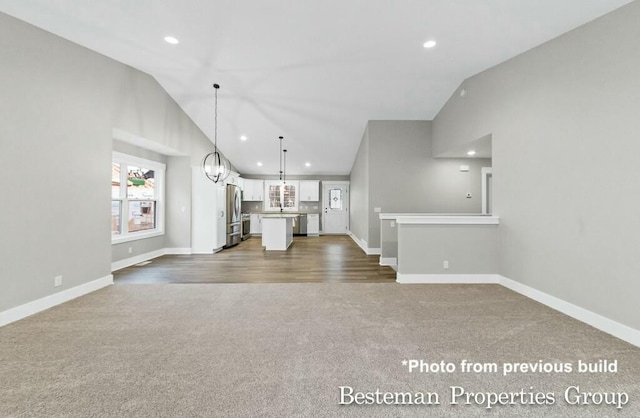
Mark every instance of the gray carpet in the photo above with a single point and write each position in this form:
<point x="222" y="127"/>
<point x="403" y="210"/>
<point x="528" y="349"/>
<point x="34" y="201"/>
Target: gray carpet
<point x="281" y="350"/>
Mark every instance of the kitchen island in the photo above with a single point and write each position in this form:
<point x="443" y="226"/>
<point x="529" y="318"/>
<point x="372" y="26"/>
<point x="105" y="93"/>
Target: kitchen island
<point x="277" y="231"/>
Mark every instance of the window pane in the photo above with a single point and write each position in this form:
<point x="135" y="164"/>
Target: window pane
<point x="140" y="183"/>
<point x="116" y="210"/>
<point x="274" y="196"/>
<point x="115" y="181"/>
<point x="335" y="199"/>
<point x="142" y="215"/>
<point x="289" y="196"/>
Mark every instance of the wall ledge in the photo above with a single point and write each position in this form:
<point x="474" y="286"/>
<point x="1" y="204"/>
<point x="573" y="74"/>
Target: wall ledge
<point x="448" y="220"/>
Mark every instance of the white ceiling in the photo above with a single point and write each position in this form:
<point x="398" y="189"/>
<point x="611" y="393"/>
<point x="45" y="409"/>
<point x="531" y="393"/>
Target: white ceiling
<point x="312" y="71"/>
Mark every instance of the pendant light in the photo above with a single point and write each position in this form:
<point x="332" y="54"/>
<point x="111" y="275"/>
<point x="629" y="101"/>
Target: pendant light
<point x="214" y="165"/>
<point x="284" y="173"/>
<point x="280" y="154"/>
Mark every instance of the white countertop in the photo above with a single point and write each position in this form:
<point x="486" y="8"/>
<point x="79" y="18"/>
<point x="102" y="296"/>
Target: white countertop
<point x="280" y="215"/>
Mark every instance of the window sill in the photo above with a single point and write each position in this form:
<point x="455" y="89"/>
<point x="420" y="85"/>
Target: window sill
<point x="136" y="237"/>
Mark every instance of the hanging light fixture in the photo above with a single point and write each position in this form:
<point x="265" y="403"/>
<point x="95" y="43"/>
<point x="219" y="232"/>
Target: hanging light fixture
<point x="284" y="173"/>
<point x="280" y="154"/>
<point x="214" y="165"/>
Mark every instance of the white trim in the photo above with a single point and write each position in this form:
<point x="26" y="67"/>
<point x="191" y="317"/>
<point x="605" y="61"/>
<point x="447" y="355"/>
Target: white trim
<point x="393" y="216"/>
<point x="449" y="220"/>
<point x="448" y="278"/>
<point x="624" y="332"/>
<point x="135" y="236"/>
<point x="205" y="250"/>
<point x="607" y="325"/>
<point x="42" y="304"/>
<point x="177" y="251"/>
<point x="120" y="264"/>
<point x="363" y="245"/>
<point x="388" y="261"/>
<point x="486" y="172"/>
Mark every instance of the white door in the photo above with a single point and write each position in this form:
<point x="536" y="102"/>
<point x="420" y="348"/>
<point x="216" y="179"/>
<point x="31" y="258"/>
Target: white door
<point x="335" y="201"/>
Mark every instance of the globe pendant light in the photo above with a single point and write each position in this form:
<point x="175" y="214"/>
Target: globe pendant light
<point x="214" y="165"/>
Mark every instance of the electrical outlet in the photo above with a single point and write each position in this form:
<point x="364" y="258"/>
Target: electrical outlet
<point x="445" y="265"/>
<point x="57" y="281"/>
<point x="130" y="250"/>
<point x="377" y="210"/>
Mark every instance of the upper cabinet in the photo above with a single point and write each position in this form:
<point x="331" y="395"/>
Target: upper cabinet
<point x="309" y="191"/>
<point x="253" y="190"/>
<point x="234" y="178"/>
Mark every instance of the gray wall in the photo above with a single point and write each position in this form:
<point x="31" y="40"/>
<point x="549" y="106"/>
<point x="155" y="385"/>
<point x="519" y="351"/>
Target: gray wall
<point x="403" y="176"/>
<point x="60" y="103"/>
<point x="359" y="191"/>
<point x="469" y="249"/>
<point x="564" y="119"/>
<point x="178" y="203"/>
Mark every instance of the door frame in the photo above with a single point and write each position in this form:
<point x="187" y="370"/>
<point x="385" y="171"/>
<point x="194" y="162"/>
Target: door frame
<point x="486" y="173"/>
<point x="348" y="201"/>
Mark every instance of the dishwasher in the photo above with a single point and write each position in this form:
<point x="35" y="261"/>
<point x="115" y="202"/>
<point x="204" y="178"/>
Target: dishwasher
<point x="302" y="224"/>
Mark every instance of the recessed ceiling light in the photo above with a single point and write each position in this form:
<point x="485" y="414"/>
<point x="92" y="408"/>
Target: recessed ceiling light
<point x="243" y="138"/>
<point x="470" y="153"/>
<point x="307" y="164"/>
<point x="171" y="40"/>
<point x="429" y="44"/>
<point x="259" y="164"/>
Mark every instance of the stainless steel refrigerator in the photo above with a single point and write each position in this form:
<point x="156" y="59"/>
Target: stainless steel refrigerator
<point x="234" y="217"/>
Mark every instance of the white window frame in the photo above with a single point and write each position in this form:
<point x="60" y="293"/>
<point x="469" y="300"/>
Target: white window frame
<point x="268" y="183"/>
<point x="159" y="180"/>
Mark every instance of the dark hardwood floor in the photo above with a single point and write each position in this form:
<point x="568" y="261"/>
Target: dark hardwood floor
<point x="328" y="258"/>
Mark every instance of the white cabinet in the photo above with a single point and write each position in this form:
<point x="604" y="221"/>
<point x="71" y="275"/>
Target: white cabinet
<point x="256" y="224"/>
<point x="234" y="178"/>
<point x="313" y="224"/>
<point x="253" y="190"/>
<point x="208" y="217"/>
<point x="309" y="191"/>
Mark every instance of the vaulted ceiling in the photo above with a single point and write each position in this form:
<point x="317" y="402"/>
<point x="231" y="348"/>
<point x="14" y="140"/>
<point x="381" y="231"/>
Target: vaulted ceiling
<point x="312" y="71"/>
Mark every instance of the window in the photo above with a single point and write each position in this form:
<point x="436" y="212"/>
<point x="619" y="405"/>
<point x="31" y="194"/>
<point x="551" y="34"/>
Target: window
<point x="137" y="187"/>
<point x="283" y="196"/>
<point x="335" y="199"/>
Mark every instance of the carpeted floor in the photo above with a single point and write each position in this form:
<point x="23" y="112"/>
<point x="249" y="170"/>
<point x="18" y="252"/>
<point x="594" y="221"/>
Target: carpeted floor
<point x="280" y="350"/>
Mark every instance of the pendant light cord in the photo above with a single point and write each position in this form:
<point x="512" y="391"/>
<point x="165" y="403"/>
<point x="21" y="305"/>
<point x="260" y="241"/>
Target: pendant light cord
<point x="215" y="120"/>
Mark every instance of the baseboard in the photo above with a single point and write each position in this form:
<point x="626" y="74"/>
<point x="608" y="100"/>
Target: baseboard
<point x="120" y="264"/>
<point x="363" y="245"/>
<point x="597" y="321"/>
<point x="388" y="261"/>
<point x="607" y="325"/>
<point x="178" y="251"/>
<point x="447" y="278"/>
<point x="42" y="304"/>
